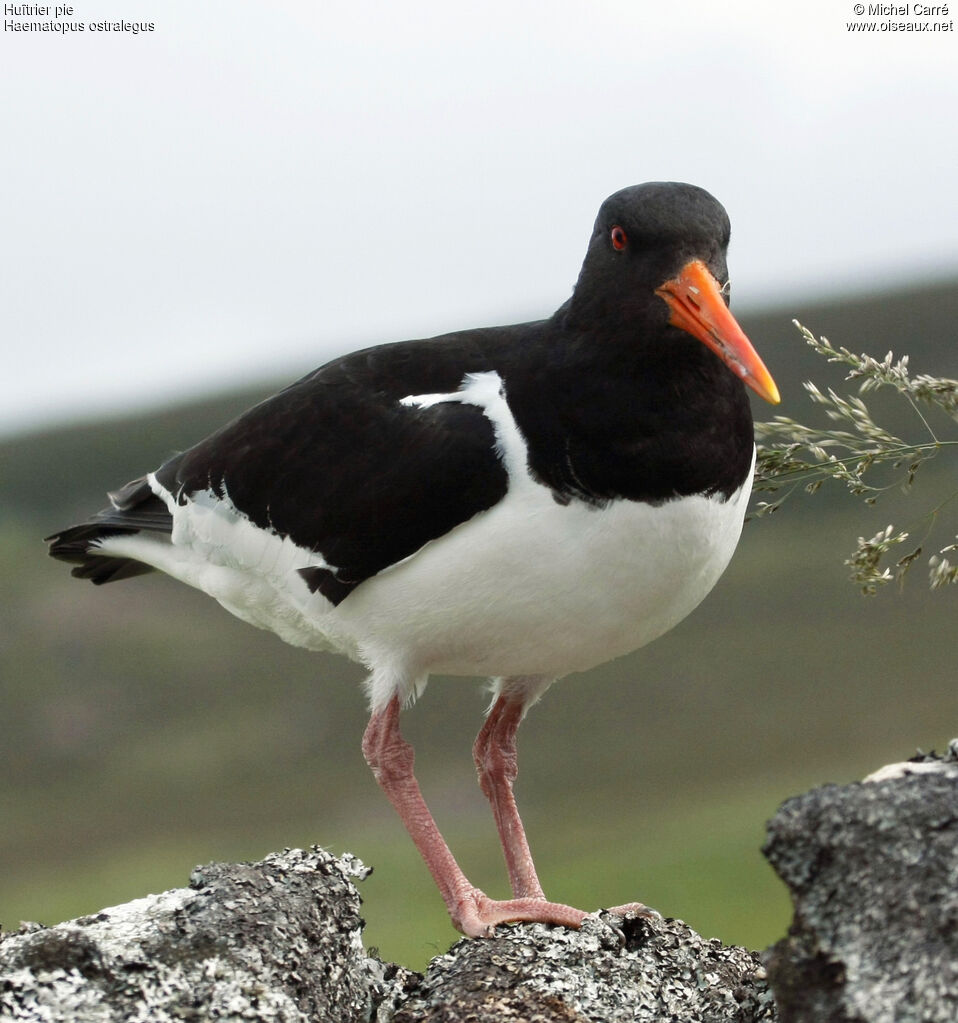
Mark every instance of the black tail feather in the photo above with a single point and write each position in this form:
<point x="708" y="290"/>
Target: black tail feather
<point x="134" y="508"/>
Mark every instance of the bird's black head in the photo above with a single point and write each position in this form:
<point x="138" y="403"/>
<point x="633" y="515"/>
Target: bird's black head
<point x="642" y="237"/>
<point x="657" y="261"/>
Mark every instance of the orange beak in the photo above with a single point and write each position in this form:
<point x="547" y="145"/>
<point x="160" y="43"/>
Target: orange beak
<point x="695" y="300"/>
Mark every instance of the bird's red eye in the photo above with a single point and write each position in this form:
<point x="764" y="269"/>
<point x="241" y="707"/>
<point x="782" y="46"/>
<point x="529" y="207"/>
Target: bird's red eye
<point x="619" y="238"/>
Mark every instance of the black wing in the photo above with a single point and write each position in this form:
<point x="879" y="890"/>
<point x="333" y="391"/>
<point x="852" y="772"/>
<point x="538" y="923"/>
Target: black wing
<point x="339" y="465"/>
<point x="336" y="462"/>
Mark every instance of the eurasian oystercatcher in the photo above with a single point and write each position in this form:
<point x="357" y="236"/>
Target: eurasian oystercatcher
<point x="516" y="502"/>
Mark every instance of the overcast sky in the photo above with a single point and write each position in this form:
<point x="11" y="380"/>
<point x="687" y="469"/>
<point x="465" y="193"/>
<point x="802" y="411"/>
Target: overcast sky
<point x="252" y="188"/>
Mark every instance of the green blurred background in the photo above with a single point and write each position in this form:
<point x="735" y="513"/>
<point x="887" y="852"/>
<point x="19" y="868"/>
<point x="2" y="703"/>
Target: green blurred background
<point x="144" y="730"/>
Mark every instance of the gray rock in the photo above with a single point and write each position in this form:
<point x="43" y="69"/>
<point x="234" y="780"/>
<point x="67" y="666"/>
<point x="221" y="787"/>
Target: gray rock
<point x="873" y="871"/>
<point x="613" y="970"/>
<point x="280" y="941"/>
<point x="276" y="941"/>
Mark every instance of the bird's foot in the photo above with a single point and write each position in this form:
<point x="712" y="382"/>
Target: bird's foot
<point x="476" y="915"/>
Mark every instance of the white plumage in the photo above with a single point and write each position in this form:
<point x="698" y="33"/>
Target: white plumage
<point x="530" y="587"/>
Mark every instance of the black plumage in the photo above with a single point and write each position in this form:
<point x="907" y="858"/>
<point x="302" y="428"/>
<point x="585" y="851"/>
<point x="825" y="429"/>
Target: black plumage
<point x="613" y="403"/>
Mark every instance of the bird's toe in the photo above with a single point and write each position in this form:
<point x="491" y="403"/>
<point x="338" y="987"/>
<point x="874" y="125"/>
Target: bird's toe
<point x="477" y="915"/>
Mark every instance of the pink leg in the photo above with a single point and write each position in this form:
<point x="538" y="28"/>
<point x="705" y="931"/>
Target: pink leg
<point x="497" y="763"/>
<point x="473" y="913"/>
<point x="495" y="755"/>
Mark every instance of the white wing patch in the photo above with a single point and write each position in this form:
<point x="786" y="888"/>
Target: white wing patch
<point x="487" y="391"/>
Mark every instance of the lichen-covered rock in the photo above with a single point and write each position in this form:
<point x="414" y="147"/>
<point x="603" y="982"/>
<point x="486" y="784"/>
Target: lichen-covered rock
<point x="280" y="941"/>
<point x="873" y="871"/>
<point x="635" y="970"/>
<point x="277" y="941"/>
